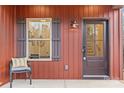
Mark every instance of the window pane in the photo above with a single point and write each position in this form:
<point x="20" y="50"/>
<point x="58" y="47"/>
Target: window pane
<point x="39" y="29"/>
<point x="99" y="31"/>
<point x="90" y="40"/>
<point x="44" y="49"/>
<point x="39" y="49"/>
<point x="33" y="47"/>
<point x="99" y="48"/>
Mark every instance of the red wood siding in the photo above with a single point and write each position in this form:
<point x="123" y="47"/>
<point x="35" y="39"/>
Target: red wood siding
<point x="71" y="44"/>
<point x="6" y="40"/>
<point x="72" y="40"/>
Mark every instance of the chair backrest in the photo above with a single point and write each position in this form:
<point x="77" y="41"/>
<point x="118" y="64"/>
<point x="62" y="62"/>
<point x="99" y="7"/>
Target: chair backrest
<point x="19" y="62"/>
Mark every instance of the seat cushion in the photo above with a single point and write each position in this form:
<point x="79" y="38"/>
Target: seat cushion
<point x="20" y="69"/>
<point x="17" y="62"/>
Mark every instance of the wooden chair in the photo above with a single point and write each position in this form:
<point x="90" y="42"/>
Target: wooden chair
<point x="20" y="65"/>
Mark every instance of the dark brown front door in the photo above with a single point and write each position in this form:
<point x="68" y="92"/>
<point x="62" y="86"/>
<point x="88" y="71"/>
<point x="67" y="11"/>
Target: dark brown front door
<point x="94" y="48"/>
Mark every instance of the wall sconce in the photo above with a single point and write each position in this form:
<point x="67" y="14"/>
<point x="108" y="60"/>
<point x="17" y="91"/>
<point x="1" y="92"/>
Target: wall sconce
<point x="74" y="24"/>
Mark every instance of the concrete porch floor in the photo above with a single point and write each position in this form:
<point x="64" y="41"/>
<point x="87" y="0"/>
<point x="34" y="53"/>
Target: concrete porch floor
<point x="41" y="83"/>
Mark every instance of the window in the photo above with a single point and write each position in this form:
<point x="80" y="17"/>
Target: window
<point x="39" y="38"/>
<point x="53" y="40"/>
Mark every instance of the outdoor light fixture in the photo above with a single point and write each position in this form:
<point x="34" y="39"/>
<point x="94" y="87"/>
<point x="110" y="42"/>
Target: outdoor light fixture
<point x="74" y="24"/>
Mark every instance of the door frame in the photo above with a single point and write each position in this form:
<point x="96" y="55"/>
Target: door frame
<point x="106" y="20"/>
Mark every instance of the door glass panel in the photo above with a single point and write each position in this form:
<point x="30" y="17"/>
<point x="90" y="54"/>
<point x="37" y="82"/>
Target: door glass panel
<point x="99" y="48"/>
<point x="94" y="39"/>
<point x="99" y="31"/>
<point x="99" y="36"/>
<point x="90" y="39"/>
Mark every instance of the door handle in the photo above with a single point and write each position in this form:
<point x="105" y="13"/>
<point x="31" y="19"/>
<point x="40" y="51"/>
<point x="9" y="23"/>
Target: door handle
<point x="84" y="58"/>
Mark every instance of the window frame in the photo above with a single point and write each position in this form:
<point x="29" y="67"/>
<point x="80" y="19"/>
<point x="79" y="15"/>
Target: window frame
<point x="27" y="40"/>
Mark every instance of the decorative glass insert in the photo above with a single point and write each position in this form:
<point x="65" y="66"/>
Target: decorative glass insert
<point x="95" y="39"/>
<point x="39" y="38"/>
<point x="90" y="40"/>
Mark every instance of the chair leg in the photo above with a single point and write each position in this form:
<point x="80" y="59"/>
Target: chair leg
<point x="26" y="75"/>
<point x="10" y="80"/>
<point x="30" y="78"/>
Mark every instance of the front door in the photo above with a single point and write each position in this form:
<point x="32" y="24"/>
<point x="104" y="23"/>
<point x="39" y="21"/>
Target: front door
<point x="94" y="48"/>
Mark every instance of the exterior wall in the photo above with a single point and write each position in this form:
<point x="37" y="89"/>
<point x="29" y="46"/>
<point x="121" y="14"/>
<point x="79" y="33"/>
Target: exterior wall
<point x="72" y="40"/>
<point x="6" y="40"/>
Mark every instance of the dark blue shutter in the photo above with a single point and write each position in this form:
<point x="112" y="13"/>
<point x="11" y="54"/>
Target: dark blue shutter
<point x="21" y="38"/>
<point x="56" y="39"/>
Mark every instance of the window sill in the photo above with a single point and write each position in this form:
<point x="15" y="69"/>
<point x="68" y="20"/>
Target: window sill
<point x="42" y="60"/>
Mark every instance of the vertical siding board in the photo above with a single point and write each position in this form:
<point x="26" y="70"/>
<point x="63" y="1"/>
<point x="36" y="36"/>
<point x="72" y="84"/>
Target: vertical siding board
<point x="80" y="36"/>
<point x="79" y="64"/>
<point x="91" y="11"/>
<point x="100" y="11"/>
<point x="1" y="58"/>
<point x="95" y="11"/>
<point x="8" y="36"/>
<point x="86" y="10"/>
<point x="5" y="39"/>
<point x="76" y="45"/>
<point x="81" y="10"/>
<point x="116" y="47"/>
<point x="106" y="12"/>
<point x="121" y="44"/>
<point x="47" y="11"/>
<point x="3" y="11"/>
<point x="65" y="27"/>
<point x="111" y="42"/>
<point x="70" y="42"/>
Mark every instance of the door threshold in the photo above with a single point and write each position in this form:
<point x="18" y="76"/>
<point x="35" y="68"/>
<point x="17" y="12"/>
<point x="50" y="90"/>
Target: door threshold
<point x="105" y="77"/>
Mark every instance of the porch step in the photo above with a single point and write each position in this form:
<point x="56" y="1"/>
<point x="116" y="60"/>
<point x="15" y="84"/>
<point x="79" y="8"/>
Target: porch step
<point x="105" y="77"/>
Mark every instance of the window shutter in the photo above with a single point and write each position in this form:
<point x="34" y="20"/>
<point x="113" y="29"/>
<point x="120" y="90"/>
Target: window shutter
<point x="21" y="38"/>
<point x="56" y="39"/>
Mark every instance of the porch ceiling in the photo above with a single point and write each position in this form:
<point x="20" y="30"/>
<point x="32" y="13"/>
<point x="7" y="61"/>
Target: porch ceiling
<point x="117" y="6"/>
